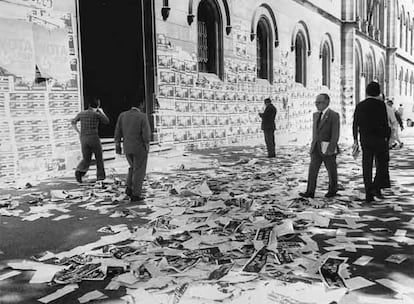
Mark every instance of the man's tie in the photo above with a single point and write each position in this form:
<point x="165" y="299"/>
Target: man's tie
<point x="319" y="120"/>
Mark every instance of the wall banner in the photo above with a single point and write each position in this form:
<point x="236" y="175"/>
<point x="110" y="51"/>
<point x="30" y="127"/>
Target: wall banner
<point x="52" y="53"/>
<point x="64" y="6"/>
<point x="17" y="48"/>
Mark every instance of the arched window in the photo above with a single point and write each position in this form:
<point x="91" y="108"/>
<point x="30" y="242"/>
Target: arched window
<point x="382" y="22"/>
<point x="380" y="75"/>
<point x="369" y="74"/>
<point x="300" y="58"/>
<point x="401" y="30"/>
<point x="407" y="33"/>
<point x="210" y="37"/>
<point x="412" y="37"/>
<point x="264" y="50"/>
<point x="406" y="82"/>
<point x="326" y="65"/>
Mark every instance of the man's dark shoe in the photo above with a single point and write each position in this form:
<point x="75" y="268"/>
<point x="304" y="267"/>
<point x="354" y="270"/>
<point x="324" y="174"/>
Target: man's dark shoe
<point x="128" y="191"/>
<point x="377" y="193"/>
<point x="331" y="194"/>
<point x="369" y="199"/>
<point x="306" y="194"/>
<point x="78" y="176"/>
<point x="136" y="198"/>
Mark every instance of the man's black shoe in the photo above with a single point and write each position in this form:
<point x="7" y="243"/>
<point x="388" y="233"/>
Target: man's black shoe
<point x="369" y="199"/>
<point x="306" y="194"/>
<point x="331" y="194"/>
<point x="135" y="198"/>
<point x="78" y="176"/>
<point x="377" y="193"/>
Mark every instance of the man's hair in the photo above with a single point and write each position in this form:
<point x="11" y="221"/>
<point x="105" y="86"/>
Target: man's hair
<point x="390" y="101"/>
<point x="400" y="104"/>
<point x="267" y="100"/>
<point x="92" y="101"/>
<point x="325" y="97"/>
<point x="373" y="89"/>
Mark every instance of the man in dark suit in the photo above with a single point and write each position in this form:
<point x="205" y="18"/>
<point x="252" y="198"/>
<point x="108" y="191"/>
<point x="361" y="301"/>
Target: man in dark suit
<point x="324" y="146"/>
<point x="268" y="126"/>
<point x="134" y="129"/>
<point x="371" y="121"/>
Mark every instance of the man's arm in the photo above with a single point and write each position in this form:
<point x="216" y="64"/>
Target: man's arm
<point x="267" y="114"/>
<point x="102" y="116"/>
<point x="355" y="125"/>
<point x="146" y="132"/>
<point x="333" y="143"/>
<point x="118" y="135"/>
<point x="398" y="117"/>
<point x="74" y="124"/>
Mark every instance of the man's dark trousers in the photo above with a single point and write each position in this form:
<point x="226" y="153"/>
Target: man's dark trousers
<point x="330" y="163"/>
<point x="374" y="148"/>
<point x="269" y="135"/>
<point x="137" y="169"/>
<point x="91" y="144"/>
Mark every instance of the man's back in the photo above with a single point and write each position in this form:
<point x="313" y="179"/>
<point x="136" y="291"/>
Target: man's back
<point x="133" y="127"/>
<point x="89" y="121"/>
<point x="268" y="117"/>
<point x="371" y="118"/>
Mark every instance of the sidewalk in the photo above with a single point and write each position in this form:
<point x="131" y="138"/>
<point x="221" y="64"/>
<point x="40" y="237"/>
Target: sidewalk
<point x="58" y="215"/>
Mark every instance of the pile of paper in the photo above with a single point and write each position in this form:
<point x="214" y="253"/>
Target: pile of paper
<point x="235" y="232"/>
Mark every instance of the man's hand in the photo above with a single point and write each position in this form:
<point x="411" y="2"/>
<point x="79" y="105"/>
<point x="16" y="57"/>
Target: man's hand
<point x="261" y="114"/>
<point x="355" y="145"/>
<point x="147" y="147"/>
<point x="118" y="149"/>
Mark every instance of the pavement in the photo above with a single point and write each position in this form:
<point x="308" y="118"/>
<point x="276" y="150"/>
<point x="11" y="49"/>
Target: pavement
<point x="23" y="239"/>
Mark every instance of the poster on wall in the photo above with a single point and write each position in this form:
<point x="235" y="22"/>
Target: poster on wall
<point x="17" y="49"/>
<point x="52" y="53"/>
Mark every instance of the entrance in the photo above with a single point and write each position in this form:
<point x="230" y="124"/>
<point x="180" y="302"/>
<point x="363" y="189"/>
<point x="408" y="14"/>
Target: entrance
<point x="113" y="52"/>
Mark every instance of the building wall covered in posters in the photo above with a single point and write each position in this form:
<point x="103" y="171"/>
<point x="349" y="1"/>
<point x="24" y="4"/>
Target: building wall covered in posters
<point x="381" y="46"/>
<point x="39" y="88"/>
<point x="220" y="104"/>
<point x="209" y="87"/>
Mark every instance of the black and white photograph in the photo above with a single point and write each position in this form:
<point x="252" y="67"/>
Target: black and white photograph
<point x="209" y="151"/>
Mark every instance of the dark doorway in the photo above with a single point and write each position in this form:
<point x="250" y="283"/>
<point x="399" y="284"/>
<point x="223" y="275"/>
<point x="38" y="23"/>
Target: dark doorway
<point x="112" y="49"/>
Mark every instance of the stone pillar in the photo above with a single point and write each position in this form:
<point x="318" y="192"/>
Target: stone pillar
<point x="392" y="41"/>
<point x="347" y="60"/>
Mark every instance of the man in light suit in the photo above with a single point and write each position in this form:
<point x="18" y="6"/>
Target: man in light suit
<point x="324" y="146"/>
<point x="134" y="129"/>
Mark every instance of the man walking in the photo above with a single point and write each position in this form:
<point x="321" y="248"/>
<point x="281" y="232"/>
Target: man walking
<point x="268" y="126"/>
<point x="324" y="146"/>
<point x="395" y="122"/>
<point x="371" y="121"/>
<point x="89" y="138"/>
<point x="134" y="130"/>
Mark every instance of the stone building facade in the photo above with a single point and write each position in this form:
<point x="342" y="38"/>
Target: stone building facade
<point x="284" y="50"/>
<point x="205" y="68"/>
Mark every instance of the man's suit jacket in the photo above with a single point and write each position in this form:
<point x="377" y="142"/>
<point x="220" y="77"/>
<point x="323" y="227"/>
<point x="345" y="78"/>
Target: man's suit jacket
<point x="328" y="131"/>
<point x="133" y="127"/>
<point x="268" y="117"/>
<point x="371" y="120"/>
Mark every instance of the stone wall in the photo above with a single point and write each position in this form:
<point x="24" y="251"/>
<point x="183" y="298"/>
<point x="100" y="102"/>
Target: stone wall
<point x="202" y="110"/>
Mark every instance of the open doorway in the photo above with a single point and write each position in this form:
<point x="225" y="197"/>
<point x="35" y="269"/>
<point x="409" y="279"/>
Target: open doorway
<point x="112" y="52"/>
